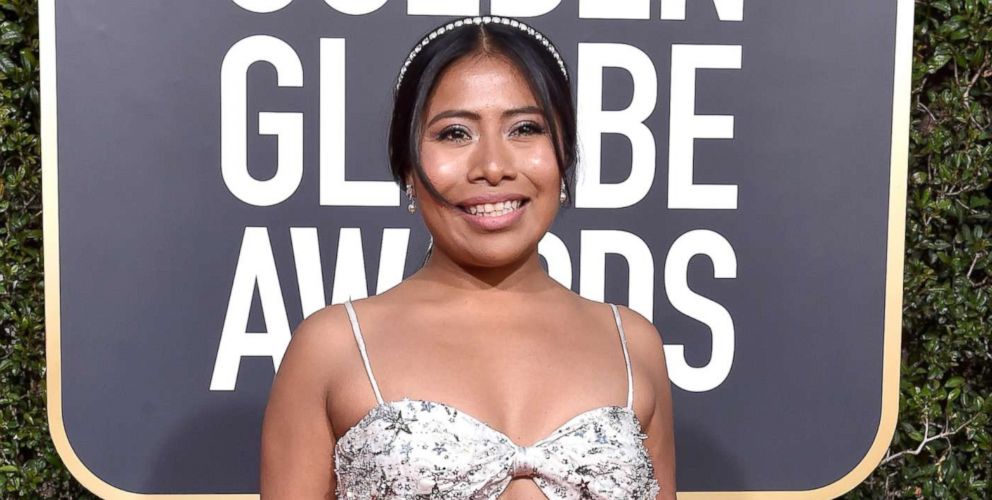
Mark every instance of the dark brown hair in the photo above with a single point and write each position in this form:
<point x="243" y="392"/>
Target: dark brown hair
<point x="535" y="61"/>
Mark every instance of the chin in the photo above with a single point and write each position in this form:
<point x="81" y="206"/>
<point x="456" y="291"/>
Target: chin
<point x="499" y="257"/>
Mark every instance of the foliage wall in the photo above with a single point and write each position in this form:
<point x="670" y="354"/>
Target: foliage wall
<point x="942" y="447"/>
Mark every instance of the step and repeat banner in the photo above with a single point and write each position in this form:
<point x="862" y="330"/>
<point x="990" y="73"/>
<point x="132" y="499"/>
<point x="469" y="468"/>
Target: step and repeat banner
<point x="216" y="171"/>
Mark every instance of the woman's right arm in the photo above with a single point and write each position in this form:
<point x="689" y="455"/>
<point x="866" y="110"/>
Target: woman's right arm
<point x="297" y="438"/>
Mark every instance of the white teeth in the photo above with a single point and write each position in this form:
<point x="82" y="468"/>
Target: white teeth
<point x="494" y="209"/>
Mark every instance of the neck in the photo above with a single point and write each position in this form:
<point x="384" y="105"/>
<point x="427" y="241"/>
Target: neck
<point x="522" y="276"/>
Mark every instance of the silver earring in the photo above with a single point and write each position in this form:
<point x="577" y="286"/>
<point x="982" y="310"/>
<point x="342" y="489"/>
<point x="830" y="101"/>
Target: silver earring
<point x="412" y="207"/>
<point x="563" y="196"/>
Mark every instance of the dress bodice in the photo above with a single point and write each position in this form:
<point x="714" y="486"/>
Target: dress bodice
<point x="425" y="449"/>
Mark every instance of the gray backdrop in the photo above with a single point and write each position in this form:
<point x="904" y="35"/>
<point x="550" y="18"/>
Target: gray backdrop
<point x="150" y="235"/>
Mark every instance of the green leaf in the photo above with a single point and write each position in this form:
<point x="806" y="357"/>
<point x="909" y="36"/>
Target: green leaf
<point x="954" y="382"/>
<point x="6" y="64"/>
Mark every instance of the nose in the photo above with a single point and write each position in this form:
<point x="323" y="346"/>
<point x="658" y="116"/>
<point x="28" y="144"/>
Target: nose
<point x="492" y="161"/>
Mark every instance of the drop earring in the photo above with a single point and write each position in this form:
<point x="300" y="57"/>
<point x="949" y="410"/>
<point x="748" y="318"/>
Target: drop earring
<point x="412" y="207"/>
<point x="563" y="195"/>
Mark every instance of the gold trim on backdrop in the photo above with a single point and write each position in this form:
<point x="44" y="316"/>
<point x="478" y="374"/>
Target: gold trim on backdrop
<point x="50" y="223"/>
<point x="893" y="282"/>
<point x="895" y="248"/>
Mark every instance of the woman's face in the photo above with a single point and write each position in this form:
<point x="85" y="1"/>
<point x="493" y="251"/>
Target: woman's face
<point x="487" y="149"/>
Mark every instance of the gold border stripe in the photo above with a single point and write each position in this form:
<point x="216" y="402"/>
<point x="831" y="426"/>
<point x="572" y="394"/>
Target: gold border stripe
<point x="50" y="223"/>
<point x="895" y="248"/>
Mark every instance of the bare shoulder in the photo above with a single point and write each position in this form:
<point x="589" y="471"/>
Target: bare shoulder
<point x="644" y="341"/>
<point x="641" y="333"/>
<point x="646" y="347"/>
<point x="318" y="341"/>
<point x="313" y="363"/>
<point x="296" y="430"/>
<point x="642" y="336"/>
<point x="647" y="354"/>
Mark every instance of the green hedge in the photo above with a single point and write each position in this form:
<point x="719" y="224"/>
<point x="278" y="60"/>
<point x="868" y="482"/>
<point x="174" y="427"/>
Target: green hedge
<point x="942" y="445"/>
<point x="29" y="466"/>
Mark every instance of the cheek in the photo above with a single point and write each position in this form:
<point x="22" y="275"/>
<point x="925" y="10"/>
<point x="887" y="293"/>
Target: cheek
<point x="442" y="166"/>
<point x="543" y="168"/>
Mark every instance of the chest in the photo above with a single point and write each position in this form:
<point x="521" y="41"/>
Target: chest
<point x="406" y="448"/>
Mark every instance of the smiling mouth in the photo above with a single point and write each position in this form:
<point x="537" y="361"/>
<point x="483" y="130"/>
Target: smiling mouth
<point x="494" y="209"/>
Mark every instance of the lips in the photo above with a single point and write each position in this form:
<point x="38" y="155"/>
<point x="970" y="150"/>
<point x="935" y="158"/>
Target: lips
<point x="493" y="209"/>
<point x="488" y="203"/>
<point x="491" y="198"/>
<point x="493" y="215"/>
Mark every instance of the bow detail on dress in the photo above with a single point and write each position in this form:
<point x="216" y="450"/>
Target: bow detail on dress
<point x="409" y="448"/>
<point x="526" y="461"/>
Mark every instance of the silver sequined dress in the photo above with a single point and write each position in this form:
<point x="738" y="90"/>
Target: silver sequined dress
<point x="417" y="449"/>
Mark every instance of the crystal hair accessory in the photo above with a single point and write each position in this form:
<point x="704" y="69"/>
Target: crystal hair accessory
<point x="480" y="20"/>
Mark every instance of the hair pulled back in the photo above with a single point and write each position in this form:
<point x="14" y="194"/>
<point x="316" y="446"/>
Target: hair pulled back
<point x="535" y="62"/>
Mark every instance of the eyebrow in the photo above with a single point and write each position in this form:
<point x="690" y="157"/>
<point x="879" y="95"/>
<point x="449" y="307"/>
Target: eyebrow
<point x="462" y="113"/>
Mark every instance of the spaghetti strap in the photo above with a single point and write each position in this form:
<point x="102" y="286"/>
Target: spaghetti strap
<point x="361" y="348"/>
<point x="626" y="356"/>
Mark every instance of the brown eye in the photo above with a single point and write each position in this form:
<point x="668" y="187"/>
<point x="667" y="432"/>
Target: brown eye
<point x="453" y="133"/>
<point x="529" y="128"/>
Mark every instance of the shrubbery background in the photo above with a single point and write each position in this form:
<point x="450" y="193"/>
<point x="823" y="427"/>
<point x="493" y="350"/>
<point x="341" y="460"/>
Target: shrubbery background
<point x="942" y="447"/>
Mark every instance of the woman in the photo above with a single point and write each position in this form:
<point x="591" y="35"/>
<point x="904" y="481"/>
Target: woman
<point x="478" y="376"/>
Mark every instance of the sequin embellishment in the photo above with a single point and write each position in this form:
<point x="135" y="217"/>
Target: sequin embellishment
<point x="421" y="449"/>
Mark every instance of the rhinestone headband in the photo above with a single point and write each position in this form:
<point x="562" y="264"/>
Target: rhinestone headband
<point x="479" y="20"/>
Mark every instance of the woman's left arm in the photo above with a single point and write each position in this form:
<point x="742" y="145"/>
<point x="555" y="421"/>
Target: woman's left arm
<point x="648" y="358"/>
